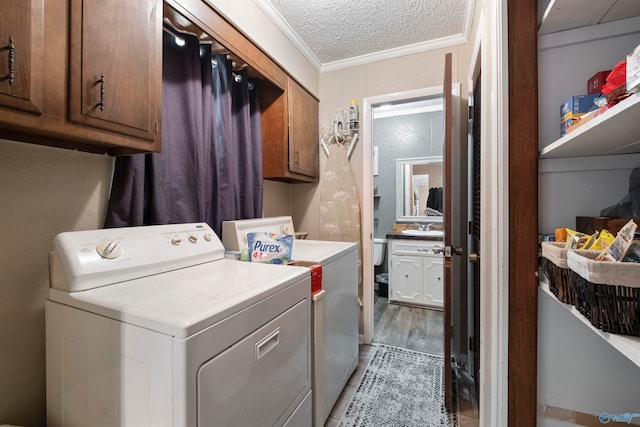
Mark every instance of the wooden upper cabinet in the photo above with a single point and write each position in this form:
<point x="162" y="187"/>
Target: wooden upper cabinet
<point x="113" y="72"/>
<point x="303" y="131"/>
<point x="289" y="133"/>
<point x="21" y="55"/>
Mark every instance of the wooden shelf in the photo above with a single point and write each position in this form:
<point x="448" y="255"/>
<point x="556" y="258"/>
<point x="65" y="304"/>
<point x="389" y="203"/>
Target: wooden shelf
<point x="617" y="131"/>
<point x="627" y="345"/>
<point x="561" y="15"/>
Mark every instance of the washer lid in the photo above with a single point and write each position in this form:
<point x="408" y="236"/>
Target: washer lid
<point x="182" y="302"/>
<point x="320" y="251"/>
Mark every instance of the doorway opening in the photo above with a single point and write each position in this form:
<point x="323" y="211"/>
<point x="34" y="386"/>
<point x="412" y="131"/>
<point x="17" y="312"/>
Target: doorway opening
<point x="408" y="147"/>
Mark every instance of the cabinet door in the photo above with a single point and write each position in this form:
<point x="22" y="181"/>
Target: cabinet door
<point x="21" y="54"/>
<point x="113" y="75"/>
<point x="432" y="271"/>
<point x="405" y="281"/>
<point x="303" y="131"/>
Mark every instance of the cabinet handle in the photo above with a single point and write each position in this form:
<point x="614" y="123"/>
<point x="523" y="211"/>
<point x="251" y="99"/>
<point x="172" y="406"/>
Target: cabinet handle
<point x="437" y="249"/>
<point x="296" y="157"/>
<point x="12" y="61"/>
<point x="101" y="103"/>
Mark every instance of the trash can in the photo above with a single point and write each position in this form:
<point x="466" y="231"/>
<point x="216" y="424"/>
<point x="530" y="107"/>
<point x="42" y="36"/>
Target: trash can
<point x="382" y="280"/>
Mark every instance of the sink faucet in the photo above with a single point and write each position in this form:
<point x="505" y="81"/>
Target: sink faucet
<point x="423" y="227"/>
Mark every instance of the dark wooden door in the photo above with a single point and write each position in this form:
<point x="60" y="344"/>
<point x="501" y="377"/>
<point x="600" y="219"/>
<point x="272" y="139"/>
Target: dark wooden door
<point x="21" y="54"/>
<point x="447" y="193"/>
<point x="474" y="257"/>
<point x="113" y="73"/>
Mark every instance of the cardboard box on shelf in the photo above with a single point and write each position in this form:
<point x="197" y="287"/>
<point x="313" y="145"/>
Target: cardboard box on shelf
<point x="581" y="119"/>
<point x="578" y="104"/>
<point x="574" y="109"/>
<point x="595" y="83"/>
<point x="590" y="224"/>
<point x="567" y="125"/>
<point x="570" y="116"/>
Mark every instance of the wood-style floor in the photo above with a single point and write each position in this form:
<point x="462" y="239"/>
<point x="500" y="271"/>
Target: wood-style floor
<point x="416" y="329"/>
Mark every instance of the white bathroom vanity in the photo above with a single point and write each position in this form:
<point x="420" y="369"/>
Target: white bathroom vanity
<point x="416" y="272"/>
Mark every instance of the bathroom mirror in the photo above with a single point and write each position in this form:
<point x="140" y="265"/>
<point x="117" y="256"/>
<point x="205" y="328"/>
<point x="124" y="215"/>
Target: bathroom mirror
<point x="419" y="189"/>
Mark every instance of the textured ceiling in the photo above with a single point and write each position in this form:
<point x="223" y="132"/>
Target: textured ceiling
<point x="335" y="30"/>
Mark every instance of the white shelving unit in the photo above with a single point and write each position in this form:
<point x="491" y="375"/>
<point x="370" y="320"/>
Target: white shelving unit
<point x="579" y="174"/>
<point x="561" y="15"/>
<point x="616" y="131"/>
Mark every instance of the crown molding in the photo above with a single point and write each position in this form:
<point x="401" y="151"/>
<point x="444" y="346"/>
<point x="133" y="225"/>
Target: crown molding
<point x="288" y="32"/>
<point x="443" y="42"/>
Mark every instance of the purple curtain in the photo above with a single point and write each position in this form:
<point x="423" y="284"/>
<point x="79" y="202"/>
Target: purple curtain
<point x="210" y="167"/>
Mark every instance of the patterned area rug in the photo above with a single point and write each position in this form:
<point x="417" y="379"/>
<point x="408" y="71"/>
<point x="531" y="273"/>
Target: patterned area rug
<point x="401" y="388"/>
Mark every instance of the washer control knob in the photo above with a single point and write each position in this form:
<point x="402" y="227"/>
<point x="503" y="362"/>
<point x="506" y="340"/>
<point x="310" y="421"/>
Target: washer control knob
<point x="193" y="238"/>
<point x="109" y="249"/>
<point x="207" y="237"/>
<point x="176" y="241"/>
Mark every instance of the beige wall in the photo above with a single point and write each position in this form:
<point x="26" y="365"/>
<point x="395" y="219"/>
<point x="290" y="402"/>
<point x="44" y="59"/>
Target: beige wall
<point x="338" y="87"/>
<point x="43" y="191"/>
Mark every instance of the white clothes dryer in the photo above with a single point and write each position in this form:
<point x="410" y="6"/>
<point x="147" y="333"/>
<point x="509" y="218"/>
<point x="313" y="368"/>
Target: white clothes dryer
<point x="335" y="309"/>
<point x="151" y="326"/>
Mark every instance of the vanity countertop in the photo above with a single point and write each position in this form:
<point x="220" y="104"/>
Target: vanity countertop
<point x="400" y="236"/>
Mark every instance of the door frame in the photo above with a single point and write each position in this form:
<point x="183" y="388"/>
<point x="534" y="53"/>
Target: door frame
<point x="367" y="188"/>
<point x="522" y="198"/>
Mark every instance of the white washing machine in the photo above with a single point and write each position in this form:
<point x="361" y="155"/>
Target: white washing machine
<point x="150" y="326"/>
<point x="335" y="310"/>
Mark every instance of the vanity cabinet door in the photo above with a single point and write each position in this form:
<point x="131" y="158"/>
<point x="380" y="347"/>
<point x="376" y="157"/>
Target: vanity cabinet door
<point x="114" y="78"/>
<point x="405" y="282"/>
<point x="432" y="270"/>
<point x="21" y="51"/>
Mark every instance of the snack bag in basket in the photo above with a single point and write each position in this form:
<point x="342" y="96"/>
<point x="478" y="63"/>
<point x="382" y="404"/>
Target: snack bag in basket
<point x="617" y="250"/>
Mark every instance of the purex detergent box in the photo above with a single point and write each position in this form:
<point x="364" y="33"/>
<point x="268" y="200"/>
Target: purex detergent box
<point x="270" y="247"/>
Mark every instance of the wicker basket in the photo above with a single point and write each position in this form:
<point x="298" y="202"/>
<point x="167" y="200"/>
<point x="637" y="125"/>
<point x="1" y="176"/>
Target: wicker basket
<point x="560" y="277"/>
<point x="608" y="292"/>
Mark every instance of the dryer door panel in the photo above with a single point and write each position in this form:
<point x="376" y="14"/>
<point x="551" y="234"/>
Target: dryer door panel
<point x="255" y="381"/>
